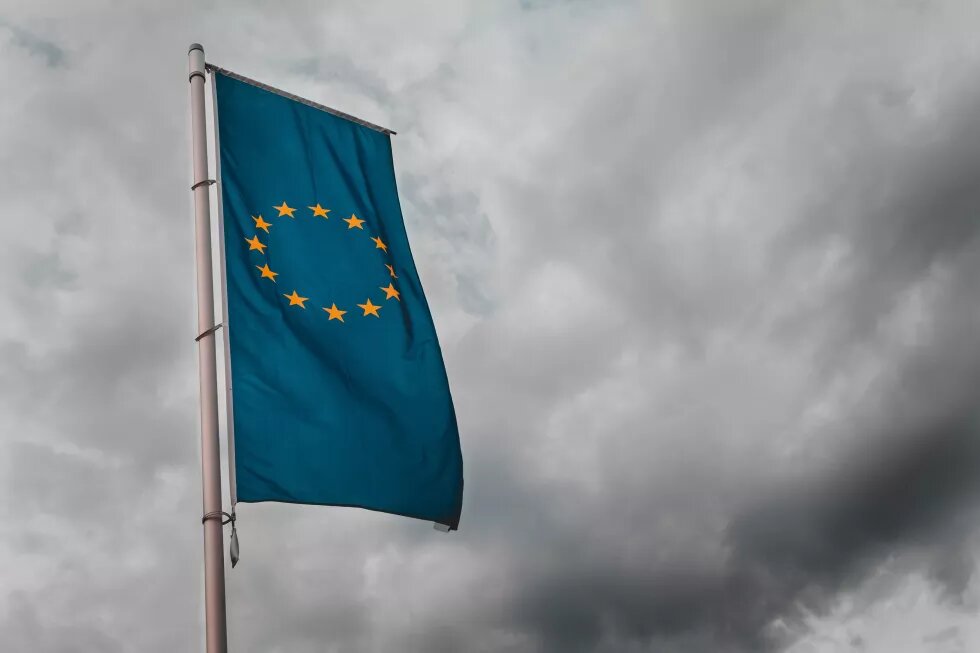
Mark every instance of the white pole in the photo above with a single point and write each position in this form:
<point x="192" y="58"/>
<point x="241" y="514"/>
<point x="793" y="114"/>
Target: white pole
<point x="214" y="565"/>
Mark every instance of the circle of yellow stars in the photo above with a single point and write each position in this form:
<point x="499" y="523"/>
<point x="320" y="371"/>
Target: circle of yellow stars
<point x="294" y="298"/>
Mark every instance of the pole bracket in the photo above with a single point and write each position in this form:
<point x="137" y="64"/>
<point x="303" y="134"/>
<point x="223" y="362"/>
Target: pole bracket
<point x="219" y="514"/>
<point x="225" y="519"/>
<point x="207" y="182"/>
<point x="207" y="333"/>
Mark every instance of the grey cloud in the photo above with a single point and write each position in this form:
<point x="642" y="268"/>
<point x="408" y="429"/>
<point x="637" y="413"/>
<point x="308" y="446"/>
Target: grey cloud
<point x="471" y="236"/>
<point x="704" y="277"/>
<point x="48" y="51"/>
<point x="944" y="635"/>
<point x="25" y="630"/>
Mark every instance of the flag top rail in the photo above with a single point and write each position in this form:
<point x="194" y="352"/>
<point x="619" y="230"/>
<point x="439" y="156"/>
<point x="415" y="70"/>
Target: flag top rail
<point x="211" y="68"/>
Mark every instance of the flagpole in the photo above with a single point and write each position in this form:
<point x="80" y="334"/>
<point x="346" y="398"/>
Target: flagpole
<point x="216" y="635"/>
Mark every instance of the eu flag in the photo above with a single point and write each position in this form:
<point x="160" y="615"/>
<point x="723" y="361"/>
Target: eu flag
<point x="339" y="391"/>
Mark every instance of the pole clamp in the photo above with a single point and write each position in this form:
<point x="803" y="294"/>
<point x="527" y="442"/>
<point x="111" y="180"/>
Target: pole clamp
<point x="202" y="183"/>
<point x="208" y="332"/>
<point x="225" y="518"/>
<point x="221" y="515"/>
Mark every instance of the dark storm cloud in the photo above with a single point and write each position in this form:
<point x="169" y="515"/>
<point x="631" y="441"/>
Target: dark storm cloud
<point x="905" y="199"/>
<point x="907" y="209"/>
<point x="798" y="546"/>
<point x="910" y="480"/>
<point x="820" y="537"/>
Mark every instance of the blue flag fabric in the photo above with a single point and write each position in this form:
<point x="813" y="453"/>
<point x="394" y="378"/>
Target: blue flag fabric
<point x="340" y="395"/>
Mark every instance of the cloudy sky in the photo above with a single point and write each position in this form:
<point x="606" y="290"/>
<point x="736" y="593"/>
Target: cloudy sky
<point x="705" y="276"/>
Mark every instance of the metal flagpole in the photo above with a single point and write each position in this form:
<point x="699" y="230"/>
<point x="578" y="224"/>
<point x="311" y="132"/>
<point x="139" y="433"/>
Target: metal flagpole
<point x="216" y="634"/>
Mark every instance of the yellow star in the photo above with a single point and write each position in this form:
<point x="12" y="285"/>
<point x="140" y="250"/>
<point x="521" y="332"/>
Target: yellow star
<point x="370" y="309"/>
<point x="266" y="272"/>
<point x="354" y="221"/>
<point x="284" y="210"/>
<point x="296" y="300"/>
<point x="255" y="243"/>
<point x="379" y="245"/>
<point x="391" y="292"/>
<point x="319" y="210"/>
<point x="335" y="313"/>
<point x="391" y="271"/>
<point x="261" y="224"/>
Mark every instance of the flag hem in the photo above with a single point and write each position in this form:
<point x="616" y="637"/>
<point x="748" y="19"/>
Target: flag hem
<point x="226" y="337"/>
<point x="453" y="524"/>
<point x="211" y="68"/>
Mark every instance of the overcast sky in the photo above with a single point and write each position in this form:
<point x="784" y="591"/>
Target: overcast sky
<point x="706" y="277"/>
